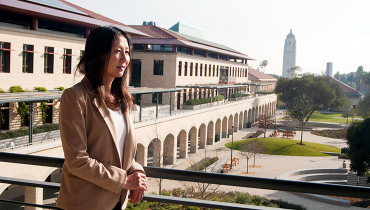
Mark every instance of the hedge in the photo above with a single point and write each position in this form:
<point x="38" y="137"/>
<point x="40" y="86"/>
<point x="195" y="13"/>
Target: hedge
<point x="238" y="95"/>
<point x="193" y="102"/>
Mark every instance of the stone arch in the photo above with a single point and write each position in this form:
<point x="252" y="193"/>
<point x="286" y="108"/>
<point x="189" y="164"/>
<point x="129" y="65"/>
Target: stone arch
<point x="241" y="118"/>
<point x="245" y="118"/>
<point x="250" y="115"/>
<point x="210" y="133"/>
<point x="202" y="136"/>
<point x="169" y="150"/>
<point x="230" y="125"/>
<point x="193" y="140"/>
<point x="236" y="122"/>
<point x="218" y="128"/>
<point x="141" y="155"/>
<point x="154" y="153"/>
<point x="224" y="127"/>
<point x="182" y="144"/>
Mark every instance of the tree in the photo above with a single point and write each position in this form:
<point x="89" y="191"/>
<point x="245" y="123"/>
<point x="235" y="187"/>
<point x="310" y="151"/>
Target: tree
<point x="307" y="94"/>
<point x="250" y="149"/>
<point x="359" y="75"/>
<point x="294" y="71"/>
<point x="363" y="106"/>
<point x="366" y="78"/>
<point x="265" y="121"/>
<point x="337" y="75"/>
<point x="358" y="140"/>
<point x="263" y="65"/>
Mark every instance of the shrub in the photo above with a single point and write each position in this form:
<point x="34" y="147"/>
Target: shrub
<point x="59" y="88"/>
<point x="16" y="89"/>
<point x="202" y="164"/>
<point x="193" y="102"/>
<point x="2" y="91"/>
<point x="25" y="132"/>
<point x="42" y="89"/>
<point x="237" y="95"/>
<point x="343" y="156"/>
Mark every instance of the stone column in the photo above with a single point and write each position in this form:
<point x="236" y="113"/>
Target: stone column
<point x="33" y="195"/>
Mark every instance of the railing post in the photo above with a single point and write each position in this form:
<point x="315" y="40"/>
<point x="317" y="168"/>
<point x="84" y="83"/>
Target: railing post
<point x="141" y="106"/>
<point x="156" y="105"/>
<point x="30" y="122"/>
<point x="170" y="103"/>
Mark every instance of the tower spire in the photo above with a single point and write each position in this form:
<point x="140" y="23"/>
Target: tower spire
<point x="291" y="31"/>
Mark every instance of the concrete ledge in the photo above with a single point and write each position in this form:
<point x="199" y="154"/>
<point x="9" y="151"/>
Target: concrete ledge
<point x="35" y="147"/>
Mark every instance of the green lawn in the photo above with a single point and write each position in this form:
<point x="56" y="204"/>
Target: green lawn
<point x="328" y="117"/>
<point x="289" y="147"/>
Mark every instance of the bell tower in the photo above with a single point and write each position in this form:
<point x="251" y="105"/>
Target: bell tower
<point x="289" y="54"/>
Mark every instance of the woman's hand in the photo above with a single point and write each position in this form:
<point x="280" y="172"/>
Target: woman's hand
<point x="136" y="196"/>
<point x="135" y="181"/>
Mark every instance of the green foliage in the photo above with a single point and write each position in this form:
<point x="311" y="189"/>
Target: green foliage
<point x="2" y="118"/>
<point x="193" y="102"/>
<point x="336" y="134"/>
<point x="230" y="197"/>
<point x="305" y="95"/>
<point x="2" y="91"/>
<point x="256" y="134"/>
<point x="42" y="89"/>
<point x="43" y="107"/>
<point x="202" y="164"/>
<point x="25" y="132"/>
<point x="363" y="106"/>
<point x="22" y="110"/>
<point x="343" y="156"/>
<point x="59" y="88"/>
<point x="238" y="95"/>
<point x="358" y="140"/>
<point x="16" y="89"/>
<point x="288" y="147"/>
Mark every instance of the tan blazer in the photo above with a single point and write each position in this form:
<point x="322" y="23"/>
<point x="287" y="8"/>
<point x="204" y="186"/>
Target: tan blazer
<point x="93" y="174"/>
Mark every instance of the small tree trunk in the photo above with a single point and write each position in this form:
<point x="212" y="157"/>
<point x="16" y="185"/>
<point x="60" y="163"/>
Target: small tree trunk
<point x="160" y="186"/>
<point x="247" y="165"/>
<point x="254" y="159"/>
<point x="302" y="134"/>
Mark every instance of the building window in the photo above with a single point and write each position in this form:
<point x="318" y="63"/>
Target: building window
<point x="4" y="57"/>
<point x="82" y="52"/>
<point x="159" y="47"/>
<point x="205" y="70"/>
<point x="49" y="60"/>
<point x="191" y="69"/>
<point x="158" y="67"/>
<point x="200" y="69"/>
<point x="180" y="67"/>
<point x="154" y="98"/>
<point x="67" y="61"/>
<point x="183" y="49"/>
<point x="217" y="72"/>
<point x="246" y="73"/>
<point x="27" y="58"/>
<point x="214" y="69"/>
<point x="186" y="69"/>
<point x="196" y="69"/>
<point x="209" y="70"/>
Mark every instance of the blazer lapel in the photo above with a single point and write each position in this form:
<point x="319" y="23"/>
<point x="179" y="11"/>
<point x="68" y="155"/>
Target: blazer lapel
<point x="103" y="110"/>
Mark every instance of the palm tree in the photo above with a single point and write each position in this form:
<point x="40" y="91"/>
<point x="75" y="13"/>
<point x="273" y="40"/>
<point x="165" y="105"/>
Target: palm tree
<point x="263" y="65"/>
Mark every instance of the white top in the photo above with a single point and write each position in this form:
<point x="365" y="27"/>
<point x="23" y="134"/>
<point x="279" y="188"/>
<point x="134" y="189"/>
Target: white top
<point x="120" y="125"/>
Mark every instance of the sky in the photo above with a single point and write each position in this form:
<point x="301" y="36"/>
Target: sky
<point x="334" y="31"/>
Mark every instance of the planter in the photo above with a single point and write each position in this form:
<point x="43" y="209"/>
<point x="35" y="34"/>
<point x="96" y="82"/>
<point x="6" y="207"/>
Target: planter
<point x="201" y="106"/>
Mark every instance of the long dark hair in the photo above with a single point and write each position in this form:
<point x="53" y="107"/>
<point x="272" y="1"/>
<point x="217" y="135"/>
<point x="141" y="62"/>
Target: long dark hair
<point x="94" y="63"/>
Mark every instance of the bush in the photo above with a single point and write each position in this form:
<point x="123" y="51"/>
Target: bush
<point x="2" y="91"/>
<point x="42" y="89"/>
<point x="25" y="132"/>
<point x="16" y="89"/>
<point x="193" y="102"/>
<point x="59" y="88"/>
<point x="343" y="156"/>
<point x="237" y="95"/>
<point x="202" y="164"/>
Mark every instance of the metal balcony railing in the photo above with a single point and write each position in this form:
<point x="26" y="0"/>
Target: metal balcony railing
<point x="182" y="175"/>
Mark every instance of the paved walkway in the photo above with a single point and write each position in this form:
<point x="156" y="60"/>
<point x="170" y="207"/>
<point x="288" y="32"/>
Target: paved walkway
<point x="270" y="167"/>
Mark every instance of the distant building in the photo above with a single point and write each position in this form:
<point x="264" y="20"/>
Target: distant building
<point x="329" y="69"/>
<point x="260" y="81"/>
<point x="289" y="54"/>
<point x="352" y="94"/>
<point x="188" y="30"/>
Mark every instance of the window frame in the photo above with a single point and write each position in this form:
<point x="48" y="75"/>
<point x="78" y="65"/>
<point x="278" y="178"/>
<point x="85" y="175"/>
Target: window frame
<point x="158" y="63"/>
<point x="49" y="55"/>
<point x="5" y="52"/>
<point x="67" y="60"/>
<point x="28" y="56"/>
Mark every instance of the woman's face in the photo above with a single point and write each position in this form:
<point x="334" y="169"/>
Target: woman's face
<point x="119" y="58"/>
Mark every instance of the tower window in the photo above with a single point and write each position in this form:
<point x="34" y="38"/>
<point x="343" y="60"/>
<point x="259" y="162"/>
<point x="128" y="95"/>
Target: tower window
<point x="290" y="43"/>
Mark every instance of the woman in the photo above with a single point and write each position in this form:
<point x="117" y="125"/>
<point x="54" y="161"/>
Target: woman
<point x="96" y="129"/>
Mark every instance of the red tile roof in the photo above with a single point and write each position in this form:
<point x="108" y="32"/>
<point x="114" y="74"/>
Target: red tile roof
<point x="92" y="14"/>
<point x="346" y="88"/>
<point x="256" y="75"/>
<point x="156" y="32"/>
